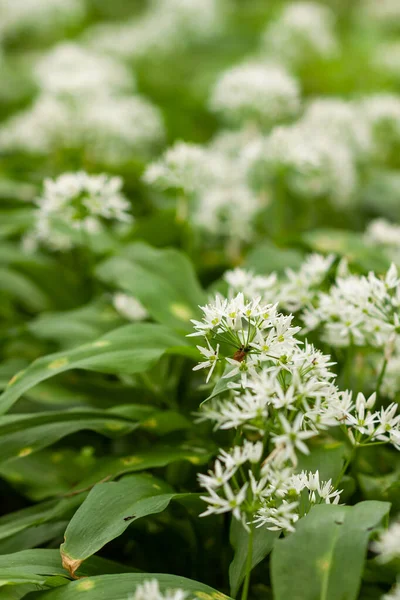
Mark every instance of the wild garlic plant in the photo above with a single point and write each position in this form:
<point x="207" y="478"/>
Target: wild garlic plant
<point x="276" y="393"/>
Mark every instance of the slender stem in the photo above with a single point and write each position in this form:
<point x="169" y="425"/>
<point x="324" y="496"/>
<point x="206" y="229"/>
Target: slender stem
<point x="249" y="562"/>
<point x="381" y="377"/>
<point x="344" y="468"/>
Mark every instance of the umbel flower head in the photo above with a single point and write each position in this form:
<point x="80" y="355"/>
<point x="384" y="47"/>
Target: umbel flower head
<point x="78" y="202"/>
<point x="303" y="31"/>
<point x="260" y="93"/>
<point x="69" y="68"/>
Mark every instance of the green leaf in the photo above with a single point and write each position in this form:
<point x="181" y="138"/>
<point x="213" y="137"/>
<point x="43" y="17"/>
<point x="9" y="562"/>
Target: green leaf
<point x="77" y="326"/>
<point x="263" y="541"/>
<point x="163" y="280"/>
<point x="324" y="558"/>
<point x="22" y="289"/>
<point x="107" y="511"/>
<point x="129" y="349"/>
<point x="119" y="587"/>
<point x="35" y="566"/>
<point x="20" y="435"/>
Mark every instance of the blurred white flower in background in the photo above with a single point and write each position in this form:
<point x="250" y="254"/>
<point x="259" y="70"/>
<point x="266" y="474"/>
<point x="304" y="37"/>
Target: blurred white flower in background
<point x="69" y="68"/>
<point x="39" y="16"/>
<point x="263" y="94"/>
<point x="167" y="25"/>
<point x="129" y="307"/>
<point x="80" y="202"/>
<point x="302" y="31"/>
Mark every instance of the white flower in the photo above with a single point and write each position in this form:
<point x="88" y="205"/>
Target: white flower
<point x="281" y="518"/>
<point x="292" y="437"/>
<point x="212" y="357"/>
<point x="393" y="595"/>
<point x="388" y="544"/>
<point x="264" y="93"/>
<point x="304" y="30"/>
<point x="150" y="590"/>
<point x="129" y="307"/>
<point x="230" y="503"/>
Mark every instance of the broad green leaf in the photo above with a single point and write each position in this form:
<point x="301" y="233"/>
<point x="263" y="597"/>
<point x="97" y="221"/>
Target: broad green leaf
<point x="163" y="280"/>
<point x="44" y="512"/>
<point x="324" y="558"/>
<point x="129" y="349"/>
<point x="36" y="566"/>
<point x="263" y="541"/>
<point x="108" y="511"/>
<point x="77" y="326"/>
<point x="34" y="536"/>
<point x="21" y="435"/>
<point x="119" y="587"/>
<point x="23" y="290"/>
<point x="156" y="457"/>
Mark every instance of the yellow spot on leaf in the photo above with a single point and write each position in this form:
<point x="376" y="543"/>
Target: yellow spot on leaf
<point x="85" y="585"/>
<point x="131" y="460"/>
<point x="16" y="376"/>
<point x="156" y="486"/>
<point x="195" y="460"/>
<point x="324" y="564"/>
<point x="218" y="596"/>
<point x="114" y="426"/>
<point x="101" y="343"/>
<point x="181" y="311"/>
<point x="150" y="423"/>
<point x="25" y="452"/>
<point x="203" y="596"/>
<point x="58" y="363"/>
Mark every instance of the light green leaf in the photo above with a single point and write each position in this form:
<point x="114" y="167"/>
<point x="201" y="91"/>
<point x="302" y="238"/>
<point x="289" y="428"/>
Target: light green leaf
<point x="119" y="587"/>
<point x="21" y="435"/>
<point x="267" y="257"/>
<point x="163" y="280"/>
<point x="263" y="541"/>
<point x="108" y="511"/>
<point x="36" y="566"/>
<point x="129" y="349"/>
<point x="324" y="558"/>
<point x="23" y="290"/>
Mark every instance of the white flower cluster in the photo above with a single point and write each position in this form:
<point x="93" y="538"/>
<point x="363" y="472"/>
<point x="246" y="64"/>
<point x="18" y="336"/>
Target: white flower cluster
<point x="129" y="307"/>
<point x="264" y="494"/>
<point x="279" y="390"/>
<point x="70" y="68"/>
<point x="167" y="26"/>
<point x="108" y="131"/>
<point x="77" y="202"/>
<point x="213" y="192"/>
<point x="294" y="291"/>
<point x="387" y="58"/>
<point x="303" y="31"/>
<point x="85" y="104"/>
<point x="384" y="12"/>
<point x="39" y="16"/>
<point x="358" y="310"/>
<point x="150" y="590"/>
<point x="263" y="94"/>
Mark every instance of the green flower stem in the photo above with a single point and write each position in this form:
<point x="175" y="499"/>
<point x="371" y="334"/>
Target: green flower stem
<point x="249" y="561"/>
<point x="381" y="377"/>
